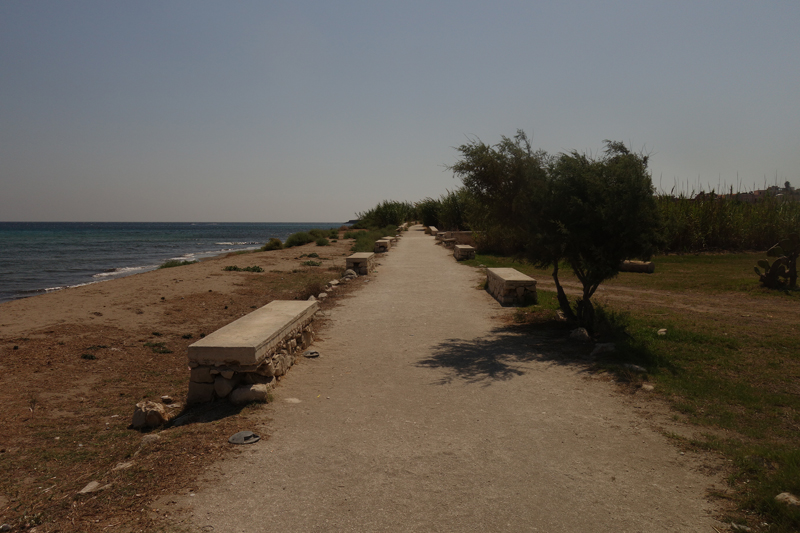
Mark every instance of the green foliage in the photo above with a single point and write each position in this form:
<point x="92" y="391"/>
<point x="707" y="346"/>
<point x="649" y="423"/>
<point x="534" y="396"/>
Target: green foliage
<point x="330" y="233"/>
<point x="386" y="213"/>
<point x="311" y="263"/>
<point x="174" y="263"/>
<point x="427" y="211"/>
<point x="234" y="268"/>
<point x="298" y="239"/>
<point x="158" y="347"/>
<point x="782" y="272"/>
<point x="365" y="240"/>
<point x="711" y="222"/>
<point x="273" y="244"/>
<point x="322" y="241"/>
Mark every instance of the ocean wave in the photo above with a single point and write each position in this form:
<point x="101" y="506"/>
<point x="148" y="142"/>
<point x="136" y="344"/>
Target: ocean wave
<point x="240" y="243"/>
<point x="120" y="271"/>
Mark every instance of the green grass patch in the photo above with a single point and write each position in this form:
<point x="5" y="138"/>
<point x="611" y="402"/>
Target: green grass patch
<point x="234" y="268"/>
<point x="311" y="263"/>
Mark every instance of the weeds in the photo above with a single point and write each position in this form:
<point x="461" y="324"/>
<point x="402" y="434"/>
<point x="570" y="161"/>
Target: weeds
<point x="311" y="263"/>
<point x="273" y="244"/>
<point x="175" y="262"/>
<point x="234" y="268"/>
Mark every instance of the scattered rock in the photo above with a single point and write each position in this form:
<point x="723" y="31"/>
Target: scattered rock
<point x="603" y="347"/>
<point x="312" y="298"/>
<point x="322" y="295"/>
<point x="147" y="440"/>
<point x="635" y="368"/>
<point x="333" y="282"/>
<point x="662" y="332"/>
<point x="788" y="498"/>
<point x="256" y="392"/>
<point x="311" y="354"/>
<point x="739" y="527"/>
<point x="93" y="486"/>
<point x="580" y="334"/>
<point x="122" y="466"/>
<point x="149" y="415"/>
<point x="166" y="400"/>
<point x="244" y="437"/>
<point x="647" y="387"/>
<point x="227" y="374"/>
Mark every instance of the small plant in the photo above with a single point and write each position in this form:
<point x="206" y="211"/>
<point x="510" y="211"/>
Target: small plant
<point x="312" y="263"/>
<point x="298" y="239"/>
<point x="234" y="268"/>
<point x="782" y="272"/>
<point x="322" y="241"/>
<point x="187" y="336"/>
<point x="158" y="347"/>
<point x="273" y="244"/>
<point x="155" y="334"/>
<point x="175" y="262"/>
<point x="88" y="356"/>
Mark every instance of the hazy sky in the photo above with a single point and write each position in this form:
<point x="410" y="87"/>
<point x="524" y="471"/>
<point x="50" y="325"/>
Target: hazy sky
<point x="314" y="110"/>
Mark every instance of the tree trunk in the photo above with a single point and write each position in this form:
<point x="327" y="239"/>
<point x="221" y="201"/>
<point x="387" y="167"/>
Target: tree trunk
<point x="563" y="301"/>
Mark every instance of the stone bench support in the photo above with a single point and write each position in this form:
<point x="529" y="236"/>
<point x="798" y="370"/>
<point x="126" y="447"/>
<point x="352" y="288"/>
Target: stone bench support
<point x="511" y="287"/>
<point x="242" y="359"/>
<point x="462" y="252"/>
<point x="382" y="245"/>
<point x="362" y="263"/>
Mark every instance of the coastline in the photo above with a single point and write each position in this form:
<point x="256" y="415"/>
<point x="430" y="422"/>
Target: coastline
<point x="74" y="362"/>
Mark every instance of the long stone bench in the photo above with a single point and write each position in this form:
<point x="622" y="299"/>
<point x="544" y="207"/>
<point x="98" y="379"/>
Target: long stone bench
<point x="511" y="287"/>
<point x="362" y="263"/>
<point x="382" y="245"/>
<point x="462" y="252"/>
<point x="242" y="360"/>
<point x="432" y="230"/>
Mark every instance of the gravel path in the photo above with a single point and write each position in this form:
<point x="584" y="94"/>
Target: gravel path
<point x="423" y="414"/>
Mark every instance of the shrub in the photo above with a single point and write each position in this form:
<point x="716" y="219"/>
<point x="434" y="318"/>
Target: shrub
<point x="298" y="239"/>
<point x="322" y="241"/>
<point x="311" y="263"/>
<point x="273" y="244"/>
<point x="175" y="262"/>
<point x="234" y="268"/>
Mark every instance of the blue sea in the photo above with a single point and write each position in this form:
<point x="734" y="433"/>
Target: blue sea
<point x="37" y="257"/>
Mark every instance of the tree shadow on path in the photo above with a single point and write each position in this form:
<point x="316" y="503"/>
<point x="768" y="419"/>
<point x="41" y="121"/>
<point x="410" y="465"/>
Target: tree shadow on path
<point x="502" y="354"/>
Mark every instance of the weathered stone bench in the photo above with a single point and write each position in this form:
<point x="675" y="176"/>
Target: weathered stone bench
<point x="462" y="252"/>
<point x="242" y="360"/>
<point x="432" y="230"/>
<point x="511" y="287"/>
<point x="448" y="243"/>
<point x="646" y="267"/>
<point x="391" y="239"/>
<point x="361" y="263"/>
<point x="382" y="245"/>
<point x="440" y="235"/>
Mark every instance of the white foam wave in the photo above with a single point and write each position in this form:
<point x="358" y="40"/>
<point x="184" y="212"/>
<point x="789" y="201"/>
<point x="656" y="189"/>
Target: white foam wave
<point x="120" y="271"/>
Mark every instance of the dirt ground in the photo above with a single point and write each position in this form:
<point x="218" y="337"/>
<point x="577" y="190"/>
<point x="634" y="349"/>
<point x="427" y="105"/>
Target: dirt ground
<point x="74" y="363"/>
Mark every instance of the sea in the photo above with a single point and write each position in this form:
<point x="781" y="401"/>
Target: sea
<point x="38" y="257"/>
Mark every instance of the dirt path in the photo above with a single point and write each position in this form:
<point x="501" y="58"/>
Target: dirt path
<point x="423" y="414"/>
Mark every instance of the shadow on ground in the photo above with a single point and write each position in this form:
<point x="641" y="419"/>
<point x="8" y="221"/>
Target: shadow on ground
<point x="501" y="355"/>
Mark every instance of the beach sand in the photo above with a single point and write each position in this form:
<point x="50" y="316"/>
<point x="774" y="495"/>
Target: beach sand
<point x="73" y="364"/>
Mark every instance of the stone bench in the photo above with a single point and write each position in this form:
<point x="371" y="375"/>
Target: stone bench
<point x="432" y="230"/>
<point x="440" y="235"/>
<point x="448" y="243"/>
<point x="391" y="239"/>
<point x="462" y="252"/>
<point x="361" y="263"/>
<point x="511" y="287"/>
<point x="241" y="360"/>
<point x="382" y="245"/>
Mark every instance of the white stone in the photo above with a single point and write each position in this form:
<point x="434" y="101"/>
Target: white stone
<point x="256" y="392"/>
<point x="662" y="331"/>
<point x="788" y="498"/>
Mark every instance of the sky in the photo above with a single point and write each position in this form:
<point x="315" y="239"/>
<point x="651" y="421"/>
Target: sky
<point x="313" y="111"/>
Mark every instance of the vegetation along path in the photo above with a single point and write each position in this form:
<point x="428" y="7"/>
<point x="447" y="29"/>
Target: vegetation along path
<point x="425" y="413"/>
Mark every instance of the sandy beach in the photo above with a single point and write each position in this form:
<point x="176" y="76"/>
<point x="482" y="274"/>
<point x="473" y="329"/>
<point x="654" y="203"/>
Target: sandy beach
<point x="74" y="362"/>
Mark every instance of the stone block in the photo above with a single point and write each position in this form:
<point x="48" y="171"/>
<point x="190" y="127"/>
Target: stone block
<point x="511" y="287"/>
<point x="361" y="263"/>
<point x="223" y="386"/>
<point x="248" y="340"/>
<point x="250" y="393"/>
<point x="199" y="393"/>
<point x="382" y="245"/>
<point x="201" y="374"/>
<point x="463" y="252"/>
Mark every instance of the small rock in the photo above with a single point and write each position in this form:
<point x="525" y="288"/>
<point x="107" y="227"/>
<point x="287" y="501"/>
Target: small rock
<point x="5" y="527"/>
<point x="739" y="527"/>
<point x="350" y="273"/>
<point x="227" y="374"/>
<point x="256" y="392"/>
<point x="122" y="466"/>
<point x="166" y="400"/>
<point x="580" y="334"/>
<point x="93" y="486"/>
<point x="662" y="332"/>
<point x="312" y="298"/>
<point x="311" y="354"/>
<point x="147" y="440"/>
<point x="603" y="347"/>
<point x="223" y="386"/>
<point x="635" y="368"/>
<point x="333" y="282"/>
<point x="149" y="415"/>
<point x="788" y="498"/>
<point x="322" y="295"/>
<point x="647" y="387"/>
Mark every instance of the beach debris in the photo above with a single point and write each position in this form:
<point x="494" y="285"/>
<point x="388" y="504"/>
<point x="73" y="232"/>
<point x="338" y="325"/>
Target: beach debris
<point x="149" y="415"/>
<point x="244" y="437"/>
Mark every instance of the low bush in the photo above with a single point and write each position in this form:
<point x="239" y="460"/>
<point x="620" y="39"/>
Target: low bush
<point x="234" y="268"/>
<point x="311" y="263"/>
<point x="298" y="239"/>
<point x="322" y="241"/>
<point x="273" y="244"/>
<point x="365" y="240"/>
<point x="175" y="262"/>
